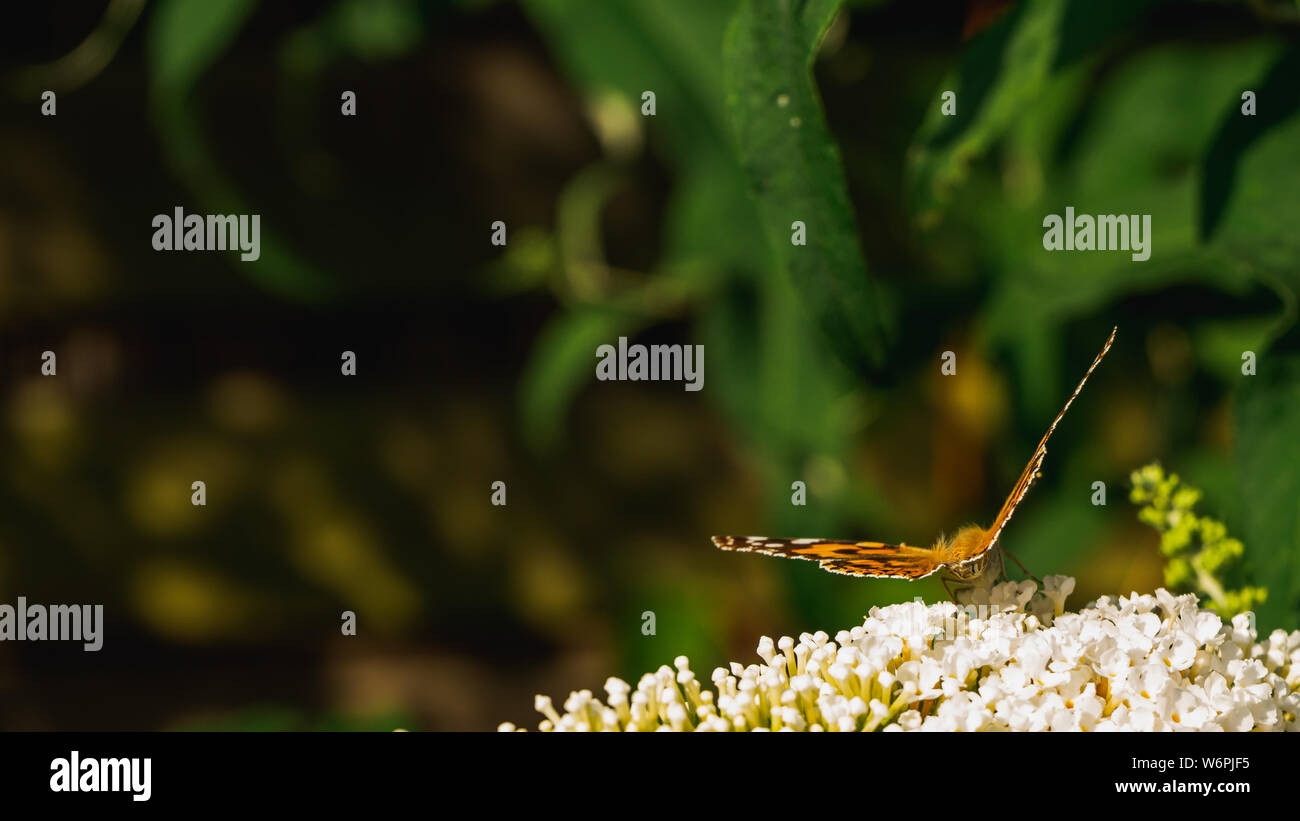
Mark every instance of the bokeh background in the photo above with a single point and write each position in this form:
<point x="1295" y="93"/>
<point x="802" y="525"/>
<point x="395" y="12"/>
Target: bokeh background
<point x="476" y="363"/>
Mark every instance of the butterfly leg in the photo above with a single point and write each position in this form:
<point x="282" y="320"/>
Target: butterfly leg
<point x="1002" y="572"/>
<point x="1022" y="568"/>
<point x="949" y="590"/>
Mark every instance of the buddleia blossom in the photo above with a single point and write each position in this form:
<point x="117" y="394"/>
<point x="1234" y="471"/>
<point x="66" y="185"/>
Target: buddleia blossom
<point x="1008" y="657"/>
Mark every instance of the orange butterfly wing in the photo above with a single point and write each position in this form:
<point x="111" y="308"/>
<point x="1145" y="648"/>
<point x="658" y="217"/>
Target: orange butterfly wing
<point x="1031" y="472"/>
<point x="877" y="559"/>
<point x="913" y="566"/>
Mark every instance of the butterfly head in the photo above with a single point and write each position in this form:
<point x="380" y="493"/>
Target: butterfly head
<point x="966" y="553"/>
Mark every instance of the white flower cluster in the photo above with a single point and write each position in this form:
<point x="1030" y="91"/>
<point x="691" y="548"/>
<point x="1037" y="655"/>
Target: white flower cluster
<point x="1008" y="658"/>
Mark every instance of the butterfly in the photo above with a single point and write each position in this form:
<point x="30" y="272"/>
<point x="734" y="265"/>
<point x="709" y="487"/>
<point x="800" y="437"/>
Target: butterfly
<point x="971" y="553"/>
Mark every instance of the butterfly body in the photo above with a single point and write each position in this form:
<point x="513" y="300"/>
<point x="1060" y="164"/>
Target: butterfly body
<point x="964" y="555"/>
<point x="971" y="553"/>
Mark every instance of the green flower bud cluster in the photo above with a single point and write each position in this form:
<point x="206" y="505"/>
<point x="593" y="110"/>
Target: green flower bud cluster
<point x="1200" y="556"/>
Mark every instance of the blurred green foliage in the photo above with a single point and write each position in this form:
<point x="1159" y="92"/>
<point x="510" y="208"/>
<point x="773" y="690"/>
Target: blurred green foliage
<point x="1086" y="104"/>
<point x="186" y="38"/>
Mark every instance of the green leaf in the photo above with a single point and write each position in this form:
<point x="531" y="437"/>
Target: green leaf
<point x="1277" y="96"/>
<point x="1259" y="173"/>
<point x="795" y="173"/>
<point x="1219" y="343"/>
<point x="670" y="47"/>
<point x="562" y="359"/>
<point x="673" y="48"/>
<point x="1266" y="428"/>
<point x="1003" y="72"/>
<point x="377" y="29"/>
<point x="366" y="29"/>
<point x="187" y="36"/>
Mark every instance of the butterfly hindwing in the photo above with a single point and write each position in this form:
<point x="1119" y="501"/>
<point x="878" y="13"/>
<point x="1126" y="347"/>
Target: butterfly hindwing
<point x="904" y="565"/>
<point x="842" y="556"/>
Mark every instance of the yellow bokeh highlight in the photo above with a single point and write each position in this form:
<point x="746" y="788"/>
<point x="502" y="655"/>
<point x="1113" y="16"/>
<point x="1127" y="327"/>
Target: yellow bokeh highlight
<point x="333" y="547"/>
<point x="43" y="420"/>
<point x="158" y="488"/>
<point x="548" y="587"/>
<point x="246" y="402"/>
<point x="338" y="552"/>
<point x="188" y="603"/>
<point x="978" y="395"/>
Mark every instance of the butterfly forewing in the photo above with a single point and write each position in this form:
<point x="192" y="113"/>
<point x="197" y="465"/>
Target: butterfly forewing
<point x="1032" y="470"/>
